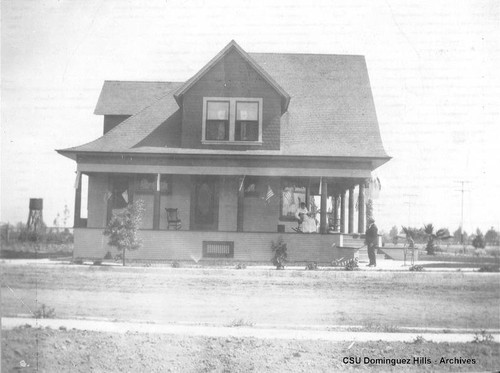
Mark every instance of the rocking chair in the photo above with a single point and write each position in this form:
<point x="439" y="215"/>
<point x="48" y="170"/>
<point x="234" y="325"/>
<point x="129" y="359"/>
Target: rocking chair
<point x="172" y="219"/>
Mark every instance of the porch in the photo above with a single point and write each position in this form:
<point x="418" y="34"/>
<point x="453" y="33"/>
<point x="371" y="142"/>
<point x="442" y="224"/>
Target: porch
<point x="221" y="213"/>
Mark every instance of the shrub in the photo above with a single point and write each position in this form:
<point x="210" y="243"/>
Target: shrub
<point x="44" y="312"/>
<point x="311" y="266"/>
<point x="489" y="268"/>
<point x="280" y="254"/>
<point x="416" y="268"/>
<point x="240" y="266"/>
<point x="98" y="262"/>
<point x="108" y="255"/>
<point x="483" y="337"/>
<point x="352" y="265"/>
<point x="175" y="264"/>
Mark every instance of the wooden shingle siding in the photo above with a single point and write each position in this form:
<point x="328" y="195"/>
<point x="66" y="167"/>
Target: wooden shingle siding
<point x="231" y="77"/>
<point x="188" y="245"/>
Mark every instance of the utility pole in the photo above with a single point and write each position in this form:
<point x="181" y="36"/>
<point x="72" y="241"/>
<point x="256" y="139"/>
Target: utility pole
<point x="410" y="196"/>
<point x="462" y="182"/>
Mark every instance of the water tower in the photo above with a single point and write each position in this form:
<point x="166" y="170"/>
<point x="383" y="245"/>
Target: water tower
<point x="35" y="217"/>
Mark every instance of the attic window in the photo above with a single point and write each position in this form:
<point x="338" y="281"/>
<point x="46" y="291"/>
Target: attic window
<point x="232" y="120"/>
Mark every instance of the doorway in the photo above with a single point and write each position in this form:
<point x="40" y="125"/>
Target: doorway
<point x="205" y="203"/>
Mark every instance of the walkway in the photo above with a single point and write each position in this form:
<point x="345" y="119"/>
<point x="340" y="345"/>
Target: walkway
<point x="255" y="331"/>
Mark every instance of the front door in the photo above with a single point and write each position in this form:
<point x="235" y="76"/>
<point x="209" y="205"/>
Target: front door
<point x="205" y="204"/>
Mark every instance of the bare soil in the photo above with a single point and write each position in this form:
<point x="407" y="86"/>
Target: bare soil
<point x="47" y="350"/>
<point x="220" y="296"/>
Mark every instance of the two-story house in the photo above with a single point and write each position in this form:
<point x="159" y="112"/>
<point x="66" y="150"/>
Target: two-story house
<point x="223" y="160"/>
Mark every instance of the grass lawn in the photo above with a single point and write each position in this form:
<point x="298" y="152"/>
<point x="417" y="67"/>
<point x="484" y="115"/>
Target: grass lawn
<point x="82" y="351"/>
<point x="291" y="297"/>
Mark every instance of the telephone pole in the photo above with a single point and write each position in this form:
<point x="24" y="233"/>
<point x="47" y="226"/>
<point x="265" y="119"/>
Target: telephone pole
<point x="462" y="190"/>
<point x="410" y="196"/>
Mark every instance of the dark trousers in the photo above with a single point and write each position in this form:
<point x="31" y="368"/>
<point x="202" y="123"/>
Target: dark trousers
<point x="371" y="254"/>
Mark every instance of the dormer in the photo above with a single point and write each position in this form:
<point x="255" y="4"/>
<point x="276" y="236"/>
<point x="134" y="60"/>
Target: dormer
<point x="231" y="103"/>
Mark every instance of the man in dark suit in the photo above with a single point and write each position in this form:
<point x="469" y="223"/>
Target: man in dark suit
<point x="371" y="241"/>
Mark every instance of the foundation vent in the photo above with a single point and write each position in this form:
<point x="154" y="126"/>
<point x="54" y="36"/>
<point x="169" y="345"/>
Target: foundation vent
<point x="218" y="249"/>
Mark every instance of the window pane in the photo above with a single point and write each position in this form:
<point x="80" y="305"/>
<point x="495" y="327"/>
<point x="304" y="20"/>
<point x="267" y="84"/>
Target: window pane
<point x="217" y="130"/>
<point x="247" y="131"/>
<point x="247" y="111"/>
<point x="217" y="110"/>
<point x="291" y="197"/>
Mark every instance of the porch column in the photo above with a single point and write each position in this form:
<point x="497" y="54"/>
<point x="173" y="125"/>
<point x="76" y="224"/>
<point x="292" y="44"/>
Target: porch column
<point x="335" y="211"/>
<point x="361" y="208"/>
<point x="156" y="204"/>
<point x="342" y="212"/>
<point x="240" y="206"/>
<point x="351" y="210"/>
<point x="78" y="200"/>
<point x="323" y="226"/>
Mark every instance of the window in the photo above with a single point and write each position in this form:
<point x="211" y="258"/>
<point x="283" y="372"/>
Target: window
<point x="232" y="120"/>
<point x="293" y="193"/>
<point x="217" y="123"/>
<point x="247" y="121"/>
<point x="146" y="183"/>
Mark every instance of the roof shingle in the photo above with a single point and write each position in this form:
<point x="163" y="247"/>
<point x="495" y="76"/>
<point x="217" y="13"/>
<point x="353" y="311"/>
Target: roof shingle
<point x="331" y="111"/>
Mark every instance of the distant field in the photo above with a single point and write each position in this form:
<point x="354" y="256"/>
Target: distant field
<point x="386" y="299"/>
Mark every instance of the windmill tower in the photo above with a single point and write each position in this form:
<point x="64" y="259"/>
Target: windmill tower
<point x="35" y="217"/>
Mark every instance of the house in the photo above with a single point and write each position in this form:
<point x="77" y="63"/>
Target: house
<point x="231" y="153"/>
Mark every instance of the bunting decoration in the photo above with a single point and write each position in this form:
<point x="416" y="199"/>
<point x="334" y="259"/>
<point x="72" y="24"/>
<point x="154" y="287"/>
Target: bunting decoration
<point x="107" y="196"/>
<point x="288" y="196"/>
<point x="269" y="193"/>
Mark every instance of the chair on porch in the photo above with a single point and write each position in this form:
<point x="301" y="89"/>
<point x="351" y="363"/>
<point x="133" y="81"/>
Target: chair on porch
<point x="172" y="219"/>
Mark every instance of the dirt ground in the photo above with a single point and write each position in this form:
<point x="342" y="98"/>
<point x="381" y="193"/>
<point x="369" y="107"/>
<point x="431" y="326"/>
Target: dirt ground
<point x="82" y="351"/>
<point x="386" y="300"/>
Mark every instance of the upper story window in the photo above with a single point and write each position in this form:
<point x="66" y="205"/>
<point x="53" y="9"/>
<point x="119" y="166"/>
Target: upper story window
<point x="232" y="120"/>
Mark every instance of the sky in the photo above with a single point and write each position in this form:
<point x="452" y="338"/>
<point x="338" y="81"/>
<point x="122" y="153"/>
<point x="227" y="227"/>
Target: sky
<point x="433" y="69"/>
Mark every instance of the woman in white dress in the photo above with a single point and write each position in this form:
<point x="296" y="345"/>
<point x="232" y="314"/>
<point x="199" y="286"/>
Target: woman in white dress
<point x="307" y="224"/>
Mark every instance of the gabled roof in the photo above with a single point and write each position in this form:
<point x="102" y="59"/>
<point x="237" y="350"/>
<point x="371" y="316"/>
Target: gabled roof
<point x="331" y="112"/>
<point x="127" y="98"/>
<point x="233" y="45"/>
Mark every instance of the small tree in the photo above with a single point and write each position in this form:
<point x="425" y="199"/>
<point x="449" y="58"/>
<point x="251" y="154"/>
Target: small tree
<point x="492" y="237"/>
<point x="124" y="226"/>
<point x="441" y="234"/>
<point x="478" y="242"/>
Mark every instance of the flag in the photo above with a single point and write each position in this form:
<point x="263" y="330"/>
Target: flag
<point x="288" y="197"/>
<point x="269" y="193"/>
<point x="320" y="183"/>
<point x="125" y="196"/>
<point x="241" y="183"/>
<point x="158" y="178"/>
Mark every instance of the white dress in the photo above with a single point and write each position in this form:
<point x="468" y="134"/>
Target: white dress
<point x="308" y="224"/>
